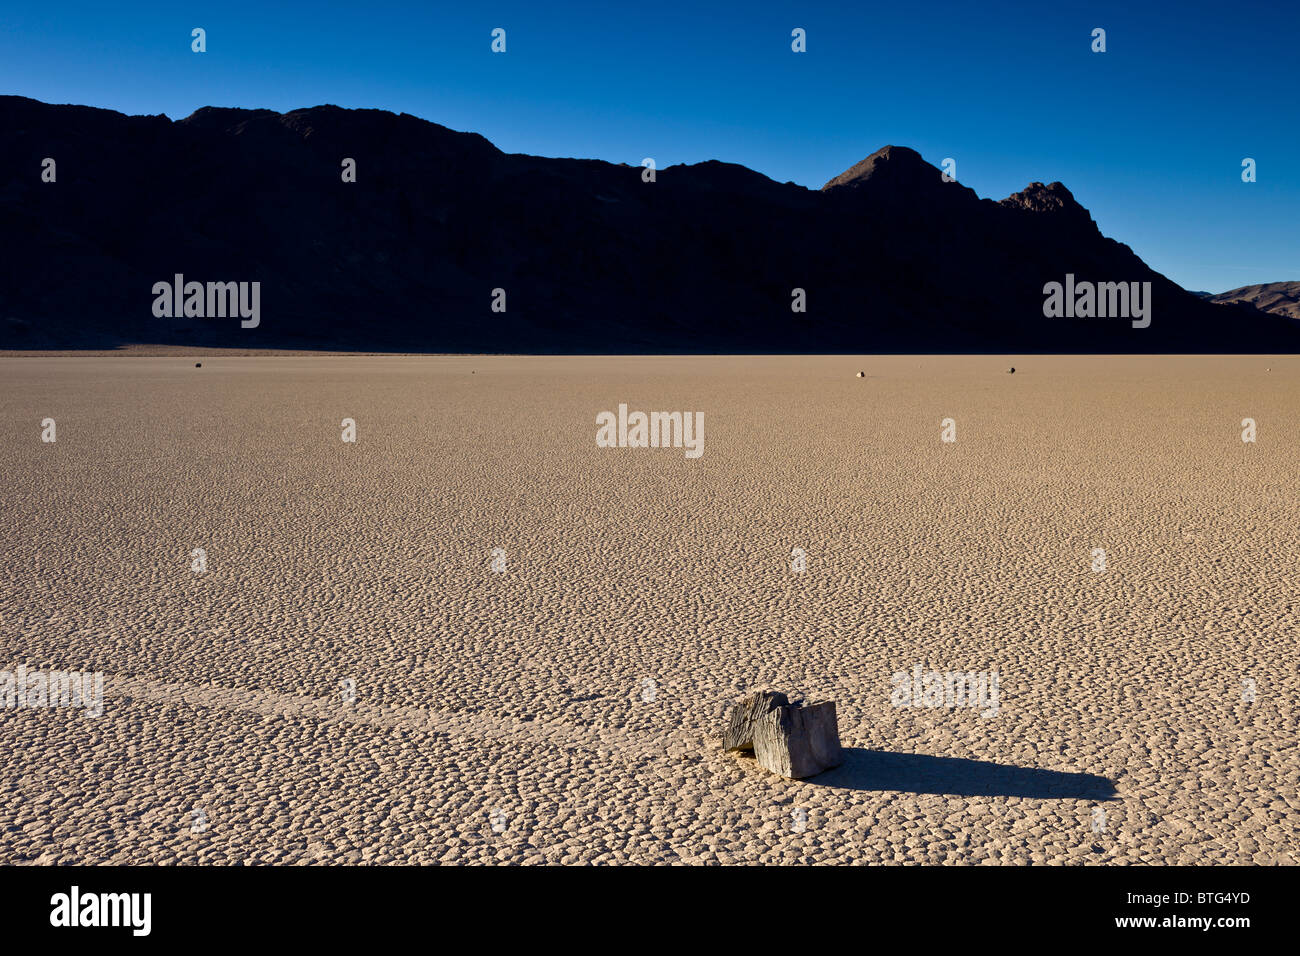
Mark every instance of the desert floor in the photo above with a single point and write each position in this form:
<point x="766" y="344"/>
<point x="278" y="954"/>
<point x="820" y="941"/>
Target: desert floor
<point x="562" y="709"/>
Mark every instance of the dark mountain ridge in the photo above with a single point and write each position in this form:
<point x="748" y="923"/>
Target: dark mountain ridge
<point x="592" y="258"/>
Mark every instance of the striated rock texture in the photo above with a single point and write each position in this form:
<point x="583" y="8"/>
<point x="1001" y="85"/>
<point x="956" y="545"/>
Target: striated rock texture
<point x="793" y="740"/>
<point x="592" y="259"/>
<point x="798" y="742"/>
<point x="739" y="734"/>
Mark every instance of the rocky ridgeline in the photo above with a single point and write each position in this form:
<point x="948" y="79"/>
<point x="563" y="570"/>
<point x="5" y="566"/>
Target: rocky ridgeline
<point x="369" y="230"/>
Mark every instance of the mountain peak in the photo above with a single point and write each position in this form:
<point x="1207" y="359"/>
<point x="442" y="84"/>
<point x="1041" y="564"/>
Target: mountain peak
<point x="894" y="163"/>
<point x="1054" y="202"/>
<point x="1036" y="197"/>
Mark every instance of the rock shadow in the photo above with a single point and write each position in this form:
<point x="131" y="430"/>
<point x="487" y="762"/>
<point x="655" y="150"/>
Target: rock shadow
<point x="955" y="776"/>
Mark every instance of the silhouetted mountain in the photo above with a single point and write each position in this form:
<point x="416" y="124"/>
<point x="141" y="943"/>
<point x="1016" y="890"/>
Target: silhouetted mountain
<point x="1277" y="298"/>
<point x="592" y="258"/>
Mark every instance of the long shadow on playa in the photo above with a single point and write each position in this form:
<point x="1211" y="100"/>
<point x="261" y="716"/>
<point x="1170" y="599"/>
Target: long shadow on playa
<point x="954" y="776"/>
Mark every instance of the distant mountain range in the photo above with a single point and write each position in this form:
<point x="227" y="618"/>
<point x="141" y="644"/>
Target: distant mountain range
<point x="1279" y="298"/>
<point x="591" y="258"/>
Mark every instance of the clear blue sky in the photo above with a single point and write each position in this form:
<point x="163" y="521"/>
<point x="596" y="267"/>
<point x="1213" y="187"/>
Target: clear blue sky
<point x="1149" y="135"/>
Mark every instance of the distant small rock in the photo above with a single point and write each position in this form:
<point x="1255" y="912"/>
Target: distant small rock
<point x="1012" y="370"/>
<point x="862" y="375"/>
<point x="198" y="365"/>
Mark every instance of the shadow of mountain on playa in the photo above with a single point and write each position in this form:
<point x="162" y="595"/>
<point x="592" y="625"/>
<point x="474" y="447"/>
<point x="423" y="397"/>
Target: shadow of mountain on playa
<point x="954" y="776"/>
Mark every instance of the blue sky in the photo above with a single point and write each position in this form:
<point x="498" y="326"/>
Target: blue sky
<point x="1149" y="135"/>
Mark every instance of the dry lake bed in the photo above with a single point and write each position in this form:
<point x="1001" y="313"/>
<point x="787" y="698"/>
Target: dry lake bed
<point x="473" y="634"/>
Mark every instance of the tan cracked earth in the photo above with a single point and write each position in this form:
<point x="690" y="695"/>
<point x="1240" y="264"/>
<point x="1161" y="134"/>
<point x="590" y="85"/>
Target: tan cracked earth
<point x="561" y="711"/>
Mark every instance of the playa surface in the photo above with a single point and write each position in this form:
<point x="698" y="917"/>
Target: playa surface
<point x="350" y="680"/>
